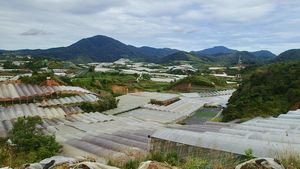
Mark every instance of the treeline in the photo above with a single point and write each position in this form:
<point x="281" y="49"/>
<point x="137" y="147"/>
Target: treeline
<point x="266" y="91"/>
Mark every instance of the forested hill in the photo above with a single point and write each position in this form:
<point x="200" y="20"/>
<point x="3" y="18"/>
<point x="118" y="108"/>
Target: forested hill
<point x="289" y="55"/>
<point x="266" y="91"/>
<point x="106" y="49"/>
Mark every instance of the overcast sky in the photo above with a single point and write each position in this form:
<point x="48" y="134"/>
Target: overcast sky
<point x="183" y="24"/>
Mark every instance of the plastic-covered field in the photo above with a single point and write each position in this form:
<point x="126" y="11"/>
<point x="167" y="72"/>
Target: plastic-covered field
<point x="119" y="137"/>
<point x="19" y="91"/>
<point x="166" y="114"/>
<point x="272" y="137"/>
<point x="69" y="100"/>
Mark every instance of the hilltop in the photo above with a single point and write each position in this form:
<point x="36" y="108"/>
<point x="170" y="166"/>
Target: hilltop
<point x="289" y="55"/>
<point x="214" y="50"/>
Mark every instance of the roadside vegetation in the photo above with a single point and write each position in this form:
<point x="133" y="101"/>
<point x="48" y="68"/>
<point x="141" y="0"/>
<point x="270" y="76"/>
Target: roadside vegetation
<point x="26" y="143"/>
<point x="190" y="162"/>
<point x="266" y="91"/>
<point x="203" y="161"/>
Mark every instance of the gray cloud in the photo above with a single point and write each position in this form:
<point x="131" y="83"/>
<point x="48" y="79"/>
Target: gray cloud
<point x="186" y="25"/>
<point x="34" y="32"/>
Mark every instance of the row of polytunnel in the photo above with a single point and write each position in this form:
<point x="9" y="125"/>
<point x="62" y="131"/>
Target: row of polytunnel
<point x="20" y="90"/>
<point x="76" y="117"/>
<point x="120" y="145"/>
<point x="271" y="137"/>
<point x="25" y="110"/>
<point x="69" y="100"/>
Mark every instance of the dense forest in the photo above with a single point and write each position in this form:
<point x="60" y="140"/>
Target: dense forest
<point x="266" y="91"/>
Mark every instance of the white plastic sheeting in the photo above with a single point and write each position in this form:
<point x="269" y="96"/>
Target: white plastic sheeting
<point x="272" y="137"/>
<point x="128" y="102"/>
<point x="185" y="106"/>
<point x="126" y="143"/>
<point x="16" y="91"/>
<point x="154" y="115"/>
<point x="157" y="96"/>
<point x="166" y="114"/>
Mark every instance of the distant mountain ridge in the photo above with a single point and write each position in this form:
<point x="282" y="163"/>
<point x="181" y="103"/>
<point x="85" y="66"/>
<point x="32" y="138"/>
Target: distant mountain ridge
<point x="289" y="55"/>
<point x="99" y="48"/>
<point x="106" y="49"/>
<point x="213" y="51"/>
<point x="179" y="56"/>
<point x="264" y="53"/>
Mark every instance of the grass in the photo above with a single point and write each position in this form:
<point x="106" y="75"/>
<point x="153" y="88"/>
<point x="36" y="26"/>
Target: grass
<point x="200" y="116"/>
<point x="191" y="162"/>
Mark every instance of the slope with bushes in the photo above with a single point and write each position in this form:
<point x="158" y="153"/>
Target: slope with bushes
<point x="198" y="82"/>
<point x="266" y="91"/>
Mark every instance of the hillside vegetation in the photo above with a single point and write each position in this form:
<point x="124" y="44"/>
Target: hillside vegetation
<point x="266" y="91"/>
<point x="289" y="55"/>
<point x="198" y="83"/>
<point x="180" y="56"/>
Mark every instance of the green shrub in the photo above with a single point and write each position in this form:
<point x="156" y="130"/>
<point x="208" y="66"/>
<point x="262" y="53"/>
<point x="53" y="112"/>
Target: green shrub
<point x="157" y="156"/>
<point x="105" y="103"/>
<point x="195" y="163"/>
<point x="131" y="164"/>
<point x="28" y="143"/>
<point x="172" y="158"/>
<point x="249" y="154"/>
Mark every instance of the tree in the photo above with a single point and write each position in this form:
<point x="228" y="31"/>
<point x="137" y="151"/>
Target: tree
<point x="28" y="139"/>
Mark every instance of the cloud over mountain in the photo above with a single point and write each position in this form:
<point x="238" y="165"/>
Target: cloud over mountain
<point x="187" y="25"/>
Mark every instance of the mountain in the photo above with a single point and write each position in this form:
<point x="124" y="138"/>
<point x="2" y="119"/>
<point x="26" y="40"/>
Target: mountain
<point x="221" y="55"/>
<point x="99" y="48"/>
<point x="106" y="49"/>
<point x="213" y="51"/>
<point x="179" y="56"/>
<point x="264" y="53"/>
<point x="289" y="55"/>
<point x="231" y="59"/>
